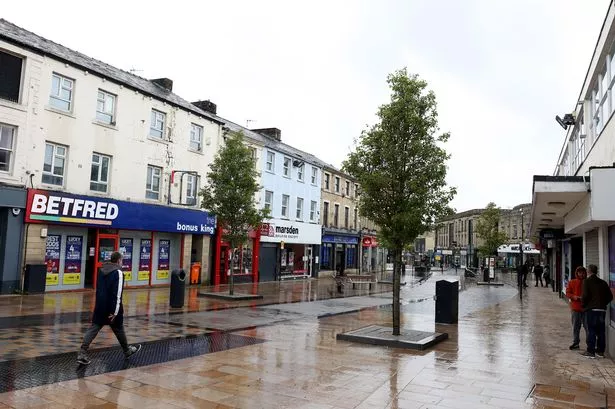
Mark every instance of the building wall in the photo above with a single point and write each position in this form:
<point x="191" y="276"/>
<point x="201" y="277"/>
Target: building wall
<point x="511" y="221"/>
<point x="340" y="197"/>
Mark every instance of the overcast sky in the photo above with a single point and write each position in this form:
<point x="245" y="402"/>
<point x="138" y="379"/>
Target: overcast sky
<point x="501" y="70"/>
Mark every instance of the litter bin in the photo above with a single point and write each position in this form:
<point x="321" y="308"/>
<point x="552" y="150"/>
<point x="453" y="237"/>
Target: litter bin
<point x="486" y="274"/>
<point x="35" y="278"/>
<point x="178" y="288"/>
<point x="195" y="273"/>
<point x="447" y="302"/>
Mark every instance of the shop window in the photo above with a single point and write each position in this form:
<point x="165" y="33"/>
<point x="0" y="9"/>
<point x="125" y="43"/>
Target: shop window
<point x="99" y="172"/>
<point x="54" y="164"/>
<point x="10" y="76"/>
<point x="152" y="187"/>
<point x="61" y="96"/>
<point x="105" y="107"/>
<point x="351" y="260"/>
<point x="326" y="259"/>
<point x="325" y="214"/>
<point x="7" y="146"/>
<point x="285" y="200"/>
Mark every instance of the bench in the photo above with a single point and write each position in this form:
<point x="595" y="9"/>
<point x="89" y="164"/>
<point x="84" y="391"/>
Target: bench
<point x="361" y="279"/>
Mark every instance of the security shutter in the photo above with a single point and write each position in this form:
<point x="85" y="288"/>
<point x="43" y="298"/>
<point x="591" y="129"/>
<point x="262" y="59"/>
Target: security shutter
<point x="591" y="248"/>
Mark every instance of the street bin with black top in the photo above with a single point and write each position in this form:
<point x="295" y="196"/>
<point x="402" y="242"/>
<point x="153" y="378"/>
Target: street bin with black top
<point x="35" y="278"/>
<point x="447" y="302"/>
<point x="178" y="288"/>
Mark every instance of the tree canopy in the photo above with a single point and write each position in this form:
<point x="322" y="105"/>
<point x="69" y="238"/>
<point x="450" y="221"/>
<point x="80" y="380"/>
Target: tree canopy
<point x="487" y="228"/>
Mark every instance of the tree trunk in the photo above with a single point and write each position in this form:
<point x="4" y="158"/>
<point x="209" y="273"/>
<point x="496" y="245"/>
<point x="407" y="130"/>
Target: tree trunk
<point x="396" y="288"/>
<point x="230" y="281"/>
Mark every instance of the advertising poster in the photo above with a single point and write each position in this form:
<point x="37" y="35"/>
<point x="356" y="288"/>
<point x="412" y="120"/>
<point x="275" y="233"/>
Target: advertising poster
<point x="52" y="258"/>
<point x="126" y="250"/>
<point x="72" y="260"/>
<point x="145" y="254"/>
<point x="491" y="268"/>
<point x="163" y="260"/>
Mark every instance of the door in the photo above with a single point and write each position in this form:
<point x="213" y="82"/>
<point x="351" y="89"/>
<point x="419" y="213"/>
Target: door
<point x="106" y="244"/>
<point x="224" y="263"/>
<point x="267" y="263"/>
<point x="308" y="260"/>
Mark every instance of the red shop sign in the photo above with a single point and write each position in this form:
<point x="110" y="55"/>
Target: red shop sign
<point x="369" y="242"/>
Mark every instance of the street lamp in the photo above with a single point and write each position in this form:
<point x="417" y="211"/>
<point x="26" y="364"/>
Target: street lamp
<point x="520" y="270"/>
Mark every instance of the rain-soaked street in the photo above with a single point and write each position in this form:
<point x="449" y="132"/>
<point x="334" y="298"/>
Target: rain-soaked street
<point x="282" y="351"/>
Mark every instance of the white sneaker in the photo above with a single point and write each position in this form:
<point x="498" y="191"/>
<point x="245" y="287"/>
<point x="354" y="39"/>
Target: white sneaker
<point x="132" y="349"/>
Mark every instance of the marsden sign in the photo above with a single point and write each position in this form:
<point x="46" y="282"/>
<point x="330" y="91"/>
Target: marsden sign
<point x="62" y="208"/>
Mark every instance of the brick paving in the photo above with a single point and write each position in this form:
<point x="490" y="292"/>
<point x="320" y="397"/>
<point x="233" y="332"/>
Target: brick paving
<point x="503" y="353"/>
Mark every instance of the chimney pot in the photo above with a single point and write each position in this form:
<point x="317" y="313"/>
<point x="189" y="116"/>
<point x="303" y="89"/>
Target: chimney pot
<point x="206" y="105"/>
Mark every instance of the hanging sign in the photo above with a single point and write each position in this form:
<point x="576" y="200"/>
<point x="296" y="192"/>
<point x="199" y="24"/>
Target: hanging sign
<point x="163" y="260"/>
<point x="52" y="259"/>
<point x="145" y="255"/>
<point x="126" y="250"/>
<point x="72" y="260"/>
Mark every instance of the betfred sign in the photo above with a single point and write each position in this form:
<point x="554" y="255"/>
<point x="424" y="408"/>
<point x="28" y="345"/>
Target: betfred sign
<point x="63" y="208"/>
<point x="278" y="230"/>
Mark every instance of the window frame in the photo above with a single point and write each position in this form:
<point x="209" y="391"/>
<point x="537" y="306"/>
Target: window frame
<point x="101" y="158"/>
<point x="313" y="207"/>
<point x="299" y="210"/>
<point x="346" y="217"/>
<point x="336" y="184"/>
<point x="11" y="151"/>
<point x="336" y="214"/>
<point x="54" y="156"/>
<point x="112" y="121"/>
<point x="270" y="203"/>
<point x="58" y="97"/>
<point x="270" y="164"/>
<point x="314" y="176"/>
<point x="149" y="181"/>
<point x="325" y="211"/>
<point x="301" y="173"/>
<point x="193" y="181"/>
<point x="154" y="120"/>
<point x="200" y="130"/>
<point x="286" y="167"/>
<point x="327" y="181"/>
<point x="284" y="209"/>
<point x="20" y="79"/>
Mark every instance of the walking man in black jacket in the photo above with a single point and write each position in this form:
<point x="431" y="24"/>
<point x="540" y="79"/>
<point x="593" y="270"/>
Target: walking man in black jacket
<point x="596" y="297"/>
<point x="108" y="309"/>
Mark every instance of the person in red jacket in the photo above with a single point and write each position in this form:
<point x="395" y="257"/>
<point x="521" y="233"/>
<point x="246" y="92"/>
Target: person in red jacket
<point x="574" y="292"/>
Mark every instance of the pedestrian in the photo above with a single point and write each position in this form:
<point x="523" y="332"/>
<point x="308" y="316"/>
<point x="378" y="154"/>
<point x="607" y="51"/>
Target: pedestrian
<point x="538" y="274"/>
<point x="574" y="291"/>
<point x="596" y="297"/>
<point x="547" y="275"/>
<point x="108" y="309"/>
<point x="522" y="271"/>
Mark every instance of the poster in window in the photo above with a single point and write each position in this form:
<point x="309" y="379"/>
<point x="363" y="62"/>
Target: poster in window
<point x="52" y="258"/>
<point x="126" y="250"/>
<point x="612" y="269"/>
<point x="72" y="260"/>
<point x="163" y="260"/>
<point x="145" y="254"/>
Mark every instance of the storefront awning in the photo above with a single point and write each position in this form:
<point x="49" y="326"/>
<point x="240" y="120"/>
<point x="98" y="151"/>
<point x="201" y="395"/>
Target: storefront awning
<point x="573" y="203"/>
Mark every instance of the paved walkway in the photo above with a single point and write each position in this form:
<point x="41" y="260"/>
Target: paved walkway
<point x="504" y="352"/>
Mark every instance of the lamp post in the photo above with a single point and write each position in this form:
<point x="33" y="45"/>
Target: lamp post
<point x="520" y="274"/>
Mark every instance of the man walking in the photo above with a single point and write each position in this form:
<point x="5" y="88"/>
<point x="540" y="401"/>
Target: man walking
<point x="596" y="297"/>
<point x="108" y="309"/>
<point x="574" y="291"/>
<point x="538" y="274"/>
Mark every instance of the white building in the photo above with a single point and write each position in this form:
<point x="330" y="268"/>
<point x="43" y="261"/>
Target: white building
<point x="572" y="210"/>
<point x="111" y="161"/>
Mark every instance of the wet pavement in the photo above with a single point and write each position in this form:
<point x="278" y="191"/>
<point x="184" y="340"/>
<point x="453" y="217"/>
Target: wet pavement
<point x="282" y="351"/>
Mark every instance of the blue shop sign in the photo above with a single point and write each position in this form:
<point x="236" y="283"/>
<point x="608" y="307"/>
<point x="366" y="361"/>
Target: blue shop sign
<point x="328" y="238"/>
<point x="63" y="208"/>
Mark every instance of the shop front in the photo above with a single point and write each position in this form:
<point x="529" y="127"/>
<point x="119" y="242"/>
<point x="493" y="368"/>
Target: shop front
<point x="339" y="250"/>
<point x="288" y="250"/>
<point x="80" y="233"/>
<point x="244" y="260"/>
<point x="12" y="204"/>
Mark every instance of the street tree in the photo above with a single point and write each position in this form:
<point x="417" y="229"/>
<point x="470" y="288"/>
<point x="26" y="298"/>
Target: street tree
<point x="401" y="166"/>
<point x="230" y="194"/>
<point x="487" y="229"/>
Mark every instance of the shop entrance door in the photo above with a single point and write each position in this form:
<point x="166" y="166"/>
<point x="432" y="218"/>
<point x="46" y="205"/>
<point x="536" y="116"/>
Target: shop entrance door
<point x="106" y="244"/>
<point x="224" y="263"/>
<point x="308" y="260"/>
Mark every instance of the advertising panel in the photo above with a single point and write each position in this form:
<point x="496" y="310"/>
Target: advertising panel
<point x="126" y="250"/>
<point x="163" y="260"/>
<point x="72" y="260"/>
<point x="52" y="258"/>
<point x="145" y="255"/>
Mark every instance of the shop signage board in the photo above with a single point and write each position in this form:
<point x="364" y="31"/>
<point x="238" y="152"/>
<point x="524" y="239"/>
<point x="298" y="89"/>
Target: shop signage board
<point x="145" y="255"/>
<point x="52" y="258"/>
<point x="331" y="238"/>
<point x="126" y="250"/>
<point x="369" y="241"/>
<point x="62" y="208"/>
<point x="278" y="230"/>
<point x="72" y="260"/>
<point x="163" y="260"/>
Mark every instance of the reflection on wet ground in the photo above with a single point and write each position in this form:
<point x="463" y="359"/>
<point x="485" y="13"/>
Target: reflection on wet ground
<point x="503" y="353"/>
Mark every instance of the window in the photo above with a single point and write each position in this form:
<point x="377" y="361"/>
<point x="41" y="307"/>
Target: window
<point x="156" y="128"/>
<point x="285" y="200"/>
<point x="7" y="138"/>
<point x="196" y="137"/>
<point x="300" y="171"/>
<point x="514" y="231"/>
<point x="336" y="215"/>
<point x="269" y="201"/>
<point x="253" y="154"/>
<point x="325" y="214"/>
<point x="270" y="161"/>
<point x="53" y="167"/>
<point x="152" y="187"/>
<point x="337" y="184"/>
<point x="286" y="167"/>
<point x="327" y="181"/>
<point x="314" y="175"/>
<point x="10" y="76"/>
<point x="356" y="226"/>
<point x="356" y="190"/>
<point x="191" y="189"/>
<point x="99" y="172"/>
<point x="105" y="107"/>
<point x="313" y="205"/>
<point x="299" y="208"/>
<point x="61" y="92"/>
<point x="346" y="216"/>
<point x="347" y="188"/>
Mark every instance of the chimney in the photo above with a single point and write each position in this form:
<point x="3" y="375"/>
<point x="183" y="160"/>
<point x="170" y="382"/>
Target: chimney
<point x="273" y="133"/>
<point x="207" y="106"/>
<point x="165" y="83"/>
